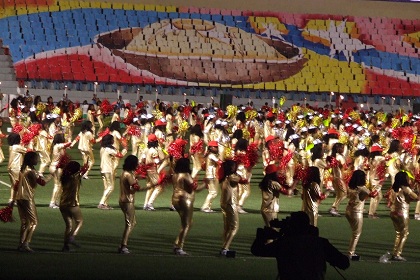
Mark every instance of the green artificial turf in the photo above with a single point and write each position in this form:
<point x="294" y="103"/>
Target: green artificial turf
<point x="152" y="239"/>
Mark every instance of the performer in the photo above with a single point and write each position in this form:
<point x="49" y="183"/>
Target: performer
<point x="58" y="151"/>
<point x="16" y="154"/>
<point x="43" y="147"/>
<point x="183" y="200"/>
<point x="312" y="195"/>
<point x="1" y="140"/>
<point x="393" y="159"/>
<point x="154" y="162"/>
<point x="108" y="154"/>
<point x="402" y="196"/>
<point x="244" y="190"/>
<point x="86" y="139"/>
<point x="376" y="178"/>
<point x="69" y="202"/>
<point x="91" y="116"/>
<point x="128" y="188"/>
<point x="357" y="195"/>
<point x="270" y="189"/>
<point x="337" y="162"/>
<point x="228" y="202"/>
<point x="196" y="149"/>
<point x="28" y="181"/>
<point x="99" y="116"/>
<point x="212" y="162"/>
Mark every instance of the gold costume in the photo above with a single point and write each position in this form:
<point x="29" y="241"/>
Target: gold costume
<point x="212" y="161"/>
<point x="322" y="165"/>
<point x="126" y="202"/>
<point x="108" y="156"/>
<point x="310" y="202"/>
<point x="155" y="159"/>
<point x="58" y="151"/>
<point x="69" y="207"/>
<point x="244" y="190"/>
<point x="400" y="216"/>
<point x="85" y="147"/>
<point x="270" y="201"/>
<point x="338" y="183"/>
<point x="100" y="119"/>
<point x="16" y="153"/>
<point x="183" y="200"/>
<point x="13" y="116"/>
<point x="354" y="214"/>
<point x="376" y="178"/>
<point x="91" y="118"/>
<point x="228" y="203"/>
<point x="196" y="156"/>
<point x="42" y="146"/>
<point x="26" y="205"/>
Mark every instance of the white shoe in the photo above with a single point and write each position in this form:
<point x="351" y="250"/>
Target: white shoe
<point x="85" y="177"/>
<point x="334" y="212"/>
<point x="123" y="250"/>
<point x="149" y="207"/>
<point x="207" y="210"/>
<point x="241" y="211"/>
<point x="180" y="252"/>
<point x="223" y="252"/>
<point x="53" y="206"/>
<point x="417" y="217"/>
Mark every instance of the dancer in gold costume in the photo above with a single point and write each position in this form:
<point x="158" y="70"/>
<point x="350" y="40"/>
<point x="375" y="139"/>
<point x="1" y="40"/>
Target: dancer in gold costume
<point x="59" y="149"/>
<point x="402" y="196"/>
<point x="69" y="202"/>
<point x="43" y="147"/>
<point x="183" y="200"/>
<point x="357" y="195"/>
<point x="376" y="178"/>
<point x="270" y="190"/>
<point x="337" y="162"/>
<point x="196" y="148"/>
<point x="243" y="189"/>
<point x="228" y="202"/>
<point x="28" y="181"/>
<point x="128" y="188"/>
<point x="108" y="155"/>
<point x="86" y="139"/>
<point x="16" y="154"/>
<point x="312" y="195"/>
<point x="212" y="162"/>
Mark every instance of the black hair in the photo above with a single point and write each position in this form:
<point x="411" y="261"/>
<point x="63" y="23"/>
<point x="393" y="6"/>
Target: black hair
<point x="29" y="160"/>
<point x="372" y="155"/>
<point x="115" y="125"/>
<point x="394" y="146"/>
<point x="108" y="141"/>
<point x="152" y="144"/>
<point x="130" y="163"/>
<point x="335" y="148"/>
<point x="182" y="165"/>
<point x="266" y="179"/>
<point x="313" y="175"/>
<point x="241" y="117"/>
<point x="196" y="129"/>
<point x="241" y="145"/>
<point x="69" y="170"/>
<point x="238" y="134"/>
<point x="290" y="131"/>
<point x="401" y="179"/>
<point x="86" y="126"/>
<point x="358" y="178"/>
<point x="13" y="139"/>
<point x="58" y="138"/>
<point x="317" y="152"/>
<point x="363" y="152"/>
<point x="229" y="167"/>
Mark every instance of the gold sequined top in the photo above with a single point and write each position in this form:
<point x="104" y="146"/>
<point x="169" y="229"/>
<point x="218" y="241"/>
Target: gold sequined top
<point x="229" y="194"/>
<point x="107" y="159"/>
<point x="357" y="199"/>
<point x="27" y="184"/>
<point x="71" y="190"/>
<point x="211" y="166"/>
<point x="16" y="153"/>
<point x="311" y="196"/>
<point x="401" y="201"/>
<point x="127" y="193"/>
<point x="85" y="143"/>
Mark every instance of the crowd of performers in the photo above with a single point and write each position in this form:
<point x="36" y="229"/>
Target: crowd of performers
<point x="312" y="151"/>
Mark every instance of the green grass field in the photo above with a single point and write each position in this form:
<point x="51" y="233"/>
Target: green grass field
<point x="151" y="240"/>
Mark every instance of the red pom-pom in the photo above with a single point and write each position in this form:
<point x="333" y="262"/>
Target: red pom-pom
<point x="301" y="173"/>
<point x="35" y="128"/>
<point x="63" y="161"/>
<point x="275" y="149"/>
<point x="103" y="133"/>
<point x="27" y="138"/>
<point x="197" y="147"/>
<point x="17" y="128"/>
<point x="134" y="130"/>
<point x="251" y="155"/>
<point x="106" y="107"/>
<point x="6" y="214"/>
<point x="285" y="160"/>
<point x="164" y="178"/>
<point x="176" y="149"/>
<point x="141" y="170"/>
<point x="129" y="119"/>
<point x="332" y="161"/>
